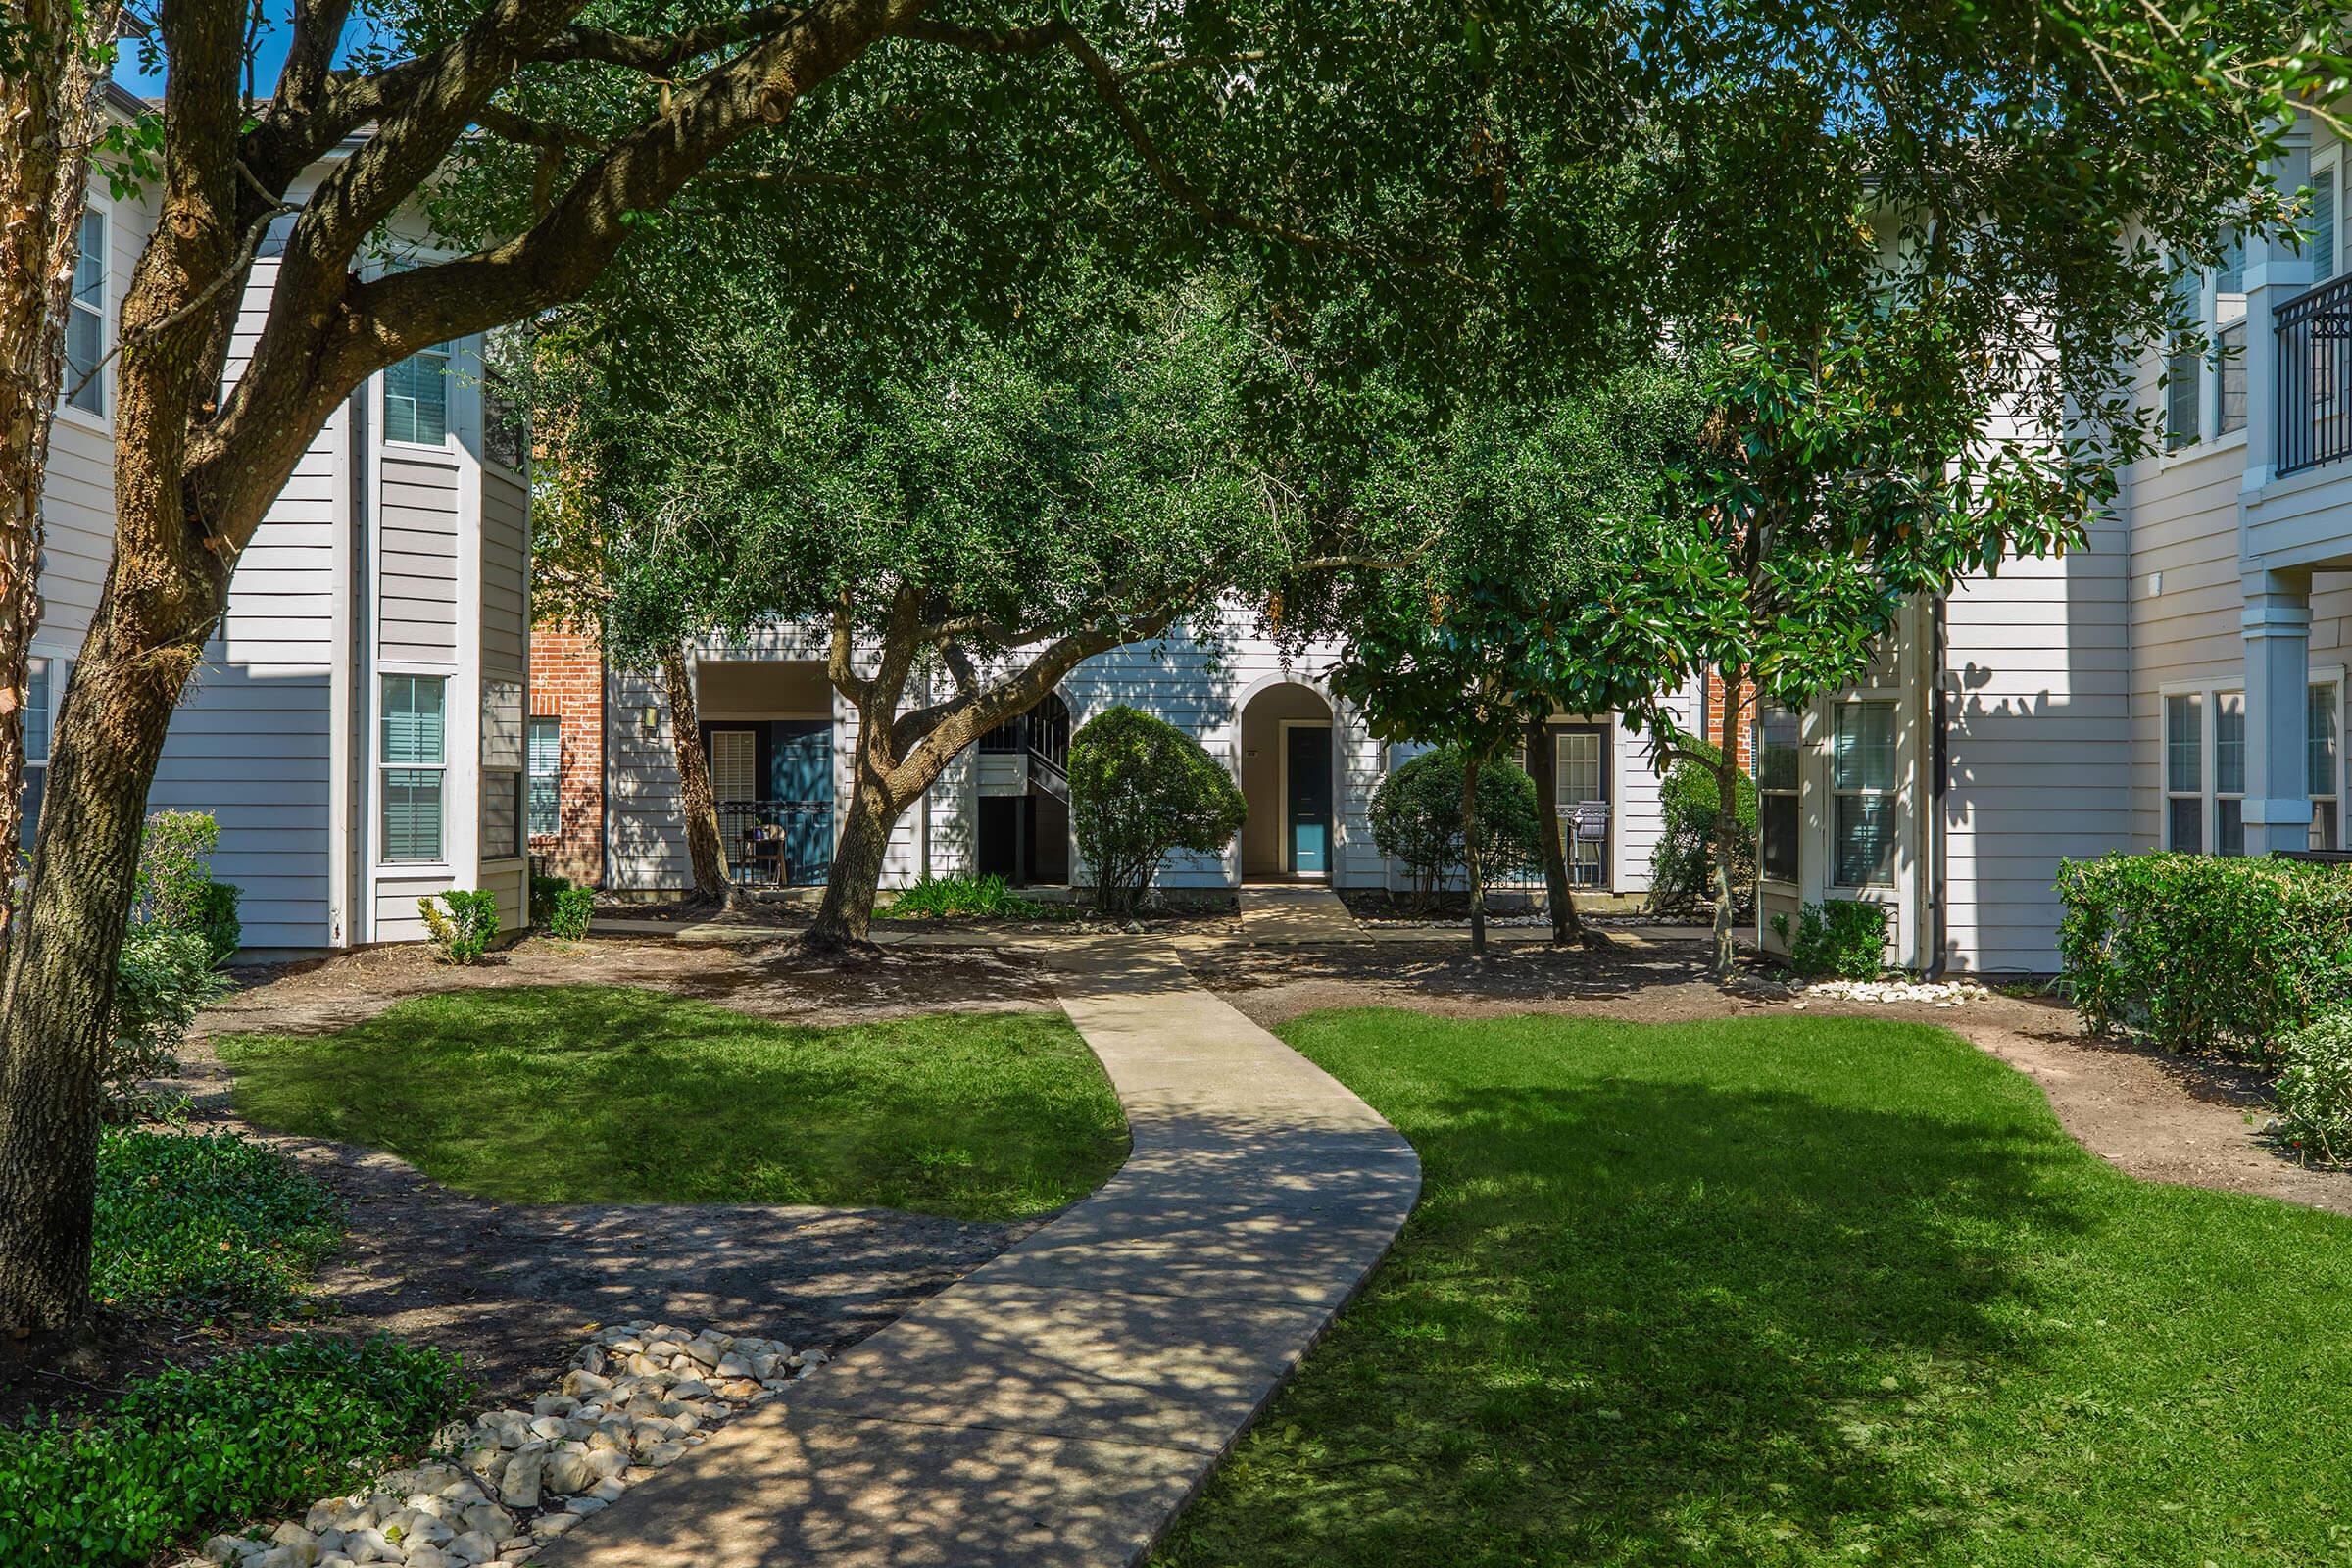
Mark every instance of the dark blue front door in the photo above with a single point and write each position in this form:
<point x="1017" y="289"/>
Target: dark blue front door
<point x="1306" y="761"/>
<point x="800" y="756"/>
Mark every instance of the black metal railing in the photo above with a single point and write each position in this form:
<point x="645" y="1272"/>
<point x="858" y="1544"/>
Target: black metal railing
<point x="2315" y="376"/>
<point x="777" y="844"/>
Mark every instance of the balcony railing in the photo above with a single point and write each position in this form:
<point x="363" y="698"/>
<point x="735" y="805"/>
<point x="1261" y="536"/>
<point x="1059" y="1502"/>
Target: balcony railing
<point x="777" y="844"/>
<point x="2315" y="376"/>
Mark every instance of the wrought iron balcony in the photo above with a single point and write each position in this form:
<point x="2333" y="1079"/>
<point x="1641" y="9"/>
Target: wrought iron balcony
<point x="2315" y="376"/>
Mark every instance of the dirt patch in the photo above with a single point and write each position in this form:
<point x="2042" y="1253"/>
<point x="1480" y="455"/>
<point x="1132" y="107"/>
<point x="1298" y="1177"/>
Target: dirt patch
<point x="2186" y="1120"/>
<point x="1203" y="913"/>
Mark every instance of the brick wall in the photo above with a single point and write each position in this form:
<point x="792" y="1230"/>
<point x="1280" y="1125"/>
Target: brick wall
<point x="567" y="683"/>
<point x="1746" y="716"/>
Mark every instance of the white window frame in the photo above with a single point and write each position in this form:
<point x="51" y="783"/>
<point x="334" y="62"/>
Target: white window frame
<point x="1893" y="794"/>
<point x="506" y="771"/>
<point x="383" y="857"/>
<point x="43" y="668"/>
<point x="446" y="353"/>
<point x="2332" y="680"/>
<point x="2202" y="698"/>
<point x="2331" y="163"/>
<point x="102" y="416"/>
<point x="532" y="775"/>
<point x="2220" y="797"/>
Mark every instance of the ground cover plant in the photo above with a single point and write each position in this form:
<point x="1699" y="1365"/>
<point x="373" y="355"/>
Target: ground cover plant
<point x="594" y="1094"/>
<point x="192" y="1225"/>
<point x="1795" y="1291"/>
<point x="988" y="897"/>
<point x="249" y="1434"/>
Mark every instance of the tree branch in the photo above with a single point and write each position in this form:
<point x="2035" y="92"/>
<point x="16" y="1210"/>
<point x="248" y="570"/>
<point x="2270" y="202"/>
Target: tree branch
<point x="661" y="54"/>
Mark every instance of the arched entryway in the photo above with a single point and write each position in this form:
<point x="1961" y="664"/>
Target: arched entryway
<point x="1289" y="780"/>
<point x="1024" y="806"/>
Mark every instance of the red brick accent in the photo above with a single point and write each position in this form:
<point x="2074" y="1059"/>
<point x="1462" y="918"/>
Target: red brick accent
<point x="567" y="683"/>
<point x="1746" y="716"/>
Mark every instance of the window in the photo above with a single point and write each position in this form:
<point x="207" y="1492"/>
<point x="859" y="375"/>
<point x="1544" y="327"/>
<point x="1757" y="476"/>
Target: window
<point x="1862" y="794"/>
<point x="506" y="424"/>
<point x="414" y="758"/>
<point x="2183" y="378"/>
<point x="734" y="764"/>
<point x="2320" y="767"/>
<point x="1581" y="797"/>
<point x="1776" y="817"/>
<point x="416" y="398"/>
<point x="86" y="321"/>
<point x="2321" y="226"/>
<point x="2230" y="773"/>
<point x="2185" y="772"/>
<point x="502" y="759"/>
<point x="37" y="708"/>
<point x="2230" y="339"/>
<point x="543" y="810"/>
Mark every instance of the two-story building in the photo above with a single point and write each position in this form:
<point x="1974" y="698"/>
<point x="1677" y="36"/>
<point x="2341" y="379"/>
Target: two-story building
<point x="356" y="725"/>
<point x="2180" y="684"/>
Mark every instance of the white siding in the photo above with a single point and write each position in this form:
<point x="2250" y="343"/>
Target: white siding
<point x="417" y="581"/>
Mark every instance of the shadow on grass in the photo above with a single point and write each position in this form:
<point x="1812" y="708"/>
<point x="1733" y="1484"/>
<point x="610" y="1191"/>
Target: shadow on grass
<point x="1645" y="1319"/>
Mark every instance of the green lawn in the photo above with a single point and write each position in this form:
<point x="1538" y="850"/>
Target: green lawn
<point x="595" y="1094"/>
<point x="1799" y="1291"/>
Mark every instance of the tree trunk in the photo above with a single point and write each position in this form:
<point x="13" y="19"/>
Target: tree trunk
<point x="1472" y="871"/>
<point x="46" y="125"/>
<point x="59" y="984"/>
<point x="1543" y="766"/>
<point x="1727" y="825"/>
<point x="705" y="846"/>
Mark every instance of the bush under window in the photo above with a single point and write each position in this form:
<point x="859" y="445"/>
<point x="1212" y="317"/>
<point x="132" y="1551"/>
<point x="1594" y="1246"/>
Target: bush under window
<point x="2197" y="951"/>
<point x="1844" y="939"/>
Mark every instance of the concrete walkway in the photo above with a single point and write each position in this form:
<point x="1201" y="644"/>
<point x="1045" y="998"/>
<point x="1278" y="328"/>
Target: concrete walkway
<point x="1294" y="911"/>
<point x="1059" y="1405"/>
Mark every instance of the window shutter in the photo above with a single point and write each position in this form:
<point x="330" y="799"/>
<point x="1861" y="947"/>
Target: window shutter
<point x="2323" y="225"/>
<point x="734" y="764"/>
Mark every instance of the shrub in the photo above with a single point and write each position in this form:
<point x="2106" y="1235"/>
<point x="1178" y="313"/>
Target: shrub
<point x="543" y="897"/>
<point x="195" y="1226"/>
<point x="1682" y="868"/>
<point x="1417" y="819"/>
<point x="466" y="931"/>
<point x="163" y="979"/>
<point x="2315" y="1091"/>
<point x="568" y="918"/>
<point x="1140" y="788"/>
<point x="249" y="1434"/>
<point x="216" y="921"/>
<point x="940" y="897"/>
<point x="2205" y="952"/>
<point x="172" y="873"/>
<point x="1844" y="939"/>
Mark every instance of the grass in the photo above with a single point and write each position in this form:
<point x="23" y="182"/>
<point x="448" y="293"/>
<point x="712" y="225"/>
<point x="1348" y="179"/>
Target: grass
<point x="598" y="1093"/>
<point x="1792" y="1291"/>
<point x="195" y="1226"/>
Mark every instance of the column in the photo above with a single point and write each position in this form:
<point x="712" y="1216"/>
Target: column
<point x="2278" y="631"/>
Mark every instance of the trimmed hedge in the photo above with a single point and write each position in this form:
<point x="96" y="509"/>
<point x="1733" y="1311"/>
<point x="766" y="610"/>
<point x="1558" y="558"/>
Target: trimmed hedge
<point x="2200" y="951"/>
<point x="193" y="1225"/>
<point x="1141" y="789"/>
<point x="243" y="1438"/>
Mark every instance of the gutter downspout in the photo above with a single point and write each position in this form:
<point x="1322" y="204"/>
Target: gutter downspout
<point x="1940" y="770"/>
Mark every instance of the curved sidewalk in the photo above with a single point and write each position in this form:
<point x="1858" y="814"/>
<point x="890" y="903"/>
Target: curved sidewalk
<point x="1059" y="1405"/>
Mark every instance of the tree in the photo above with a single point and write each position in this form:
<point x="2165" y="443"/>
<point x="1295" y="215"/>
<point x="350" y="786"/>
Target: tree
<point x="1493" y="525"/>
<point x="1419" y="817"/>
<point x="1141" y="788"/>
<point x="589" y="125"/>
<point x="54" y="55"/>
<point x="1682" y="865"/>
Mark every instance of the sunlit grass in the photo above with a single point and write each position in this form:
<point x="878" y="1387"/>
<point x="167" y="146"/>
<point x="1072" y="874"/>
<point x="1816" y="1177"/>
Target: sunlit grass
<point x="595" y="1094"/>
<point x="1803" y="1291"/>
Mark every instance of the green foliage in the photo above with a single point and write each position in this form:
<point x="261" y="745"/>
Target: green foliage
<point x="172" y="873"/>
<point x="989" y="897"/>
<point x="1141" y="788"/>
<point x="216" y="921"/>
<point x="2197" y="951"/>
<point x="567" y="919"/>
<point x="1417" y="818"/>
<point x="461" y="931"/>
<point x="981" y="1117"/>
<point x="542" y="896"/>
<point x="2315" y="1091"/>
<point x="1792" y="1292"/>
<point x="244" y="1437"/>
<point x="1682" y="865"/>
<point x="164" y="976"/>
<point x="201" y="1225"/>
<point x="1844" y="939"/>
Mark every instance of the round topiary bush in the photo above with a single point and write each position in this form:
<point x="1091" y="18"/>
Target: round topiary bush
<point x="1682" y="868"/>
<point x="1417" y="819"/>
<point x="1141" y="788"/>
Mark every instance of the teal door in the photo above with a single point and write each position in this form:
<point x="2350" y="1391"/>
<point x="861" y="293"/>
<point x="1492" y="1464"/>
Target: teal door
<point x="1306" y="765"/>
<point x="799" y="759"/>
